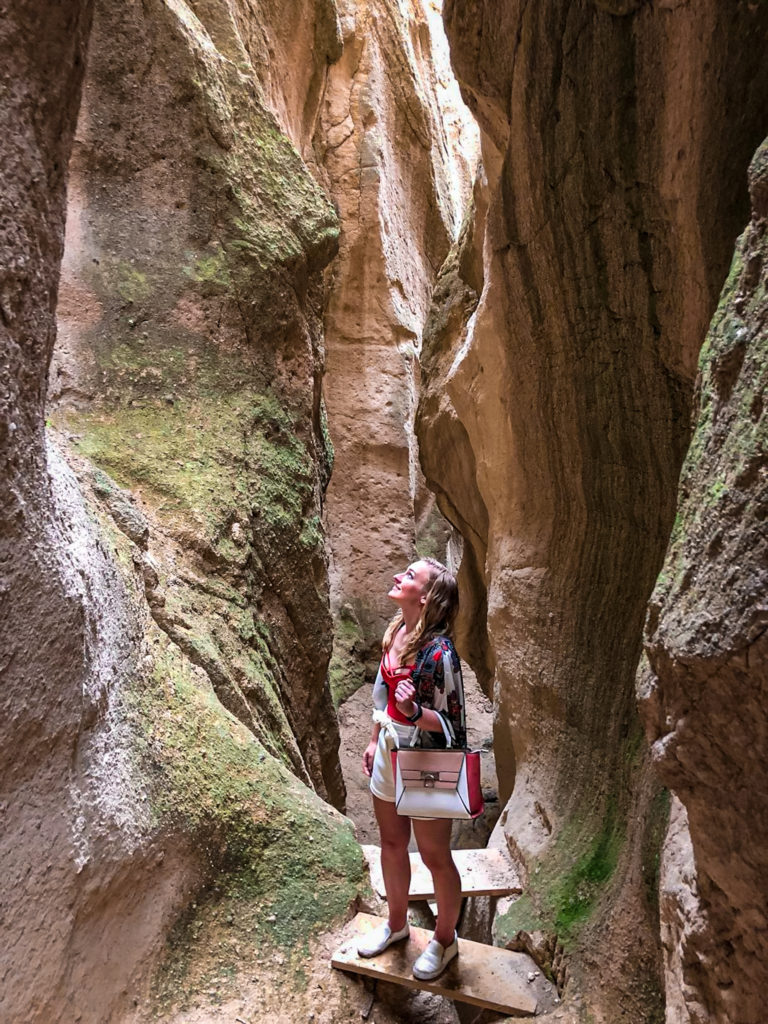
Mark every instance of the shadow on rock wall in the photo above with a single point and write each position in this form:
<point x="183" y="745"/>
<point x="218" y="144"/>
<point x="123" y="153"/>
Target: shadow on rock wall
<point x="703" y="688"/>
<point x="558" y="385"/>
<point x="166" y="628"/>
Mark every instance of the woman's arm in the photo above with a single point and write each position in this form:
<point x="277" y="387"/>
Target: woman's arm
<point x="405" y="700"/>
<point x="440" y="691"/>
<point x="379" y="704"/>
<point x="379" y="701"/>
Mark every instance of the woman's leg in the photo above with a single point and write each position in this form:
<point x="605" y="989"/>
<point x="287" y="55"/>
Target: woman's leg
<point x="434" y="841"/>
<point x="395" y="831"/>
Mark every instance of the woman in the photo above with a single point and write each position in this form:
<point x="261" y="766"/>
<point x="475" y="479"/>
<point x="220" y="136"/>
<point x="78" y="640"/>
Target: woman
<point x="418" y="686"/>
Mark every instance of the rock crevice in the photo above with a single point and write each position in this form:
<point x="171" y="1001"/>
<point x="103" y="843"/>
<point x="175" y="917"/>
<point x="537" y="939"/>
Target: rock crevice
<point x="395" y="149"/>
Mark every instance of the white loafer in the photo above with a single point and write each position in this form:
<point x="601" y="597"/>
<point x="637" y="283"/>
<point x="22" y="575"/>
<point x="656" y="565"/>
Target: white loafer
<point x="435" y="959"/>
<point x="380" y="938"/>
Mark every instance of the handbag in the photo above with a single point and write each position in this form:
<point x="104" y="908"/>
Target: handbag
<point x="437" y="783"/>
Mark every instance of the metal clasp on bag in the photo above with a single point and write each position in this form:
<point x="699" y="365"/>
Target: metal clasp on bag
<point x="429" y="779"/>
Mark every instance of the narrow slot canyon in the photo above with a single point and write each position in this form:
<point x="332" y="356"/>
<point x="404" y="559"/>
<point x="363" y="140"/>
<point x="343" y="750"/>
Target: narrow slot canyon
<point x="291" y="296"/>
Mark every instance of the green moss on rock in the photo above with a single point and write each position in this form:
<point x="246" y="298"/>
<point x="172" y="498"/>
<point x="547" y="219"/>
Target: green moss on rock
<point x="203" y="369"/>
<point x="277" y="215"/>
<point x="209" y="269"/>
<point x="282" y="865"/>
<point x="133" y="285"/>
<point x="728" y="451"/>
<point x="564" y="889"/>
<point x="346" y="672"/>
<point x="205" y="458"/>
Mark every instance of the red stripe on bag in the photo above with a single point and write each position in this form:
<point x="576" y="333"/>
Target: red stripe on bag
<point x="474" y="788"/>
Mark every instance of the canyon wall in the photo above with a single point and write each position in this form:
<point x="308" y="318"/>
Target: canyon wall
<point x="168" y="731"/>
<point x="703" y="688"/>
<point x="189" y="364"/>
<point x="558" y="374"/>
<point x="167" y="721"/>
<point x="167" y="736"/>
<point x="45" y="632"/>
<point x="396" y="148"/>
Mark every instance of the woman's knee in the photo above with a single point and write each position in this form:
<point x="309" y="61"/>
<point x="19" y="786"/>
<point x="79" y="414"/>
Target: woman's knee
<point x="436" y="858"/>
<point x="395" y="841"/>
<point x="394" y="830"/>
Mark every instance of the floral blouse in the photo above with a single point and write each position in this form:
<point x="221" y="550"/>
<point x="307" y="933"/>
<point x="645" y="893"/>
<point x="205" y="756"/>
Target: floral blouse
<point x="439" y="686"/>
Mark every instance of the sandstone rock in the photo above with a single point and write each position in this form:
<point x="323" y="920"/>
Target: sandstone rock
<point x="125" y="784"/>
<point x="565" y="370"/>
<point x="192" y="265"/>
<point x="397" y="168"/>
<point x="43" y="623"/>
<point x="128" y="518"/>
<point x="454" y="478"/>
<point x="681" y="915"/>
<point x="290" y="47"/>
<point x="345" y="671"/>
<point x="703" y="691"/>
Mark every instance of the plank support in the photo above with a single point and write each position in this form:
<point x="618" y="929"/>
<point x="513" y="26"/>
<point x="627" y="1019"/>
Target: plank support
<point x="486" y="872"/>
<point x="485" y="976"/>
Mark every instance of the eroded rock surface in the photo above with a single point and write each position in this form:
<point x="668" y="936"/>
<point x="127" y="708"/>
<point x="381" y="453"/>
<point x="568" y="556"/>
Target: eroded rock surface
<point x="189" y="363"/>
<point x="680" y="916"/>
<point x="704" y="689"/>
<point x="561" y="369"/>
<point x="165" y="617"/>
<point x="395" y="147"/>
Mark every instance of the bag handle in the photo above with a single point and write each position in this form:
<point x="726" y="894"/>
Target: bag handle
<point x="446" y="732"/>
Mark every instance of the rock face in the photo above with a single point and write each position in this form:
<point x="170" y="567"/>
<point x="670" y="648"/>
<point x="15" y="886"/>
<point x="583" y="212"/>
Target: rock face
<point x="166" y="632"/>
<point x="167" y="730"/>
<point x="704" y="689"/>
<point x="395" y="147"/>
<point x="561" y="369"/>
<point x="680" y="916"/>
<point x="40" y="597"/>
<point x="454" y="480"/>
<point x="189" y="363"/>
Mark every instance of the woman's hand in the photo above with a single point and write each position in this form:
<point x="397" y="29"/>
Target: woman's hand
<point x="368" y="756"/>
<point x="404" y="698"/>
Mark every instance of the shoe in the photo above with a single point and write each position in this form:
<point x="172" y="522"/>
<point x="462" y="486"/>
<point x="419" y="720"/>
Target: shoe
<point x="380" y="938"/>
<point x="435" y="959"/>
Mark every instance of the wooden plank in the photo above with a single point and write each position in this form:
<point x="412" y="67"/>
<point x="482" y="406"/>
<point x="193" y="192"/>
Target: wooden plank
<point x="496" y="979"/>
<point x="487" y="872"/>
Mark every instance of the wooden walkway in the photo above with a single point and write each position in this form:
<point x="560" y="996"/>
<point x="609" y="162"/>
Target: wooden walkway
<point x="487" y="872"/>
<point x="496" y="979"/>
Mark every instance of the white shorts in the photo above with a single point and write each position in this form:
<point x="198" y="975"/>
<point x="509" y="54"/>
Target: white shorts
<point x="382" y="778"/>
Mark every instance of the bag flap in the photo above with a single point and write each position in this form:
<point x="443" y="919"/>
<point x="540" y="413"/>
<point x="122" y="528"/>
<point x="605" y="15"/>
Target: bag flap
<point x="430" y="760"/>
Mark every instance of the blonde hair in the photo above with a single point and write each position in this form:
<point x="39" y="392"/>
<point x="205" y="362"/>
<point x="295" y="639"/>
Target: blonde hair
<point x="437" y="615"/>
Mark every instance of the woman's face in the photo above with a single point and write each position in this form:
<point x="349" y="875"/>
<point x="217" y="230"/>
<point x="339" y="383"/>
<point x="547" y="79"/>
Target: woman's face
<point x="410" y="587"/>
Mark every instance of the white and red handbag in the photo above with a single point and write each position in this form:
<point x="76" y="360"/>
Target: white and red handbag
<point x="435" y="783"/>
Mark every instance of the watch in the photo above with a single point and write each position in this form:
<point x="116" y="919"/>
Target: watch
<point x="418" y="713"/>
